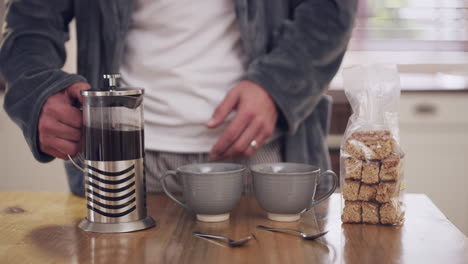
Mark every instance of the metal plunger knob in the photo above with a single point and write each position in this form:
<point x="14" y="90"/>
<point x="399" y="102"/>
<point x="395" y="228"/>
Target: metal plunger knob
<point x="112" y="79"/>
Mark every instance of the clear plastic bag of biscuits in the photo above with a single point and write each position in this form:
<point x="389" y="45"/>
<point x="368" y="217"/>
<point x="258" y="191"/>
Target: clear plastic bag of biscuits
<point x="371" y="157"/>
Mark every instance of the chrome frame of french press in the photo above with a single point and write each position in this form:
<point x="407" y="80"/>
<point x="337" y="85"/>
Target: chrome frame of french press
<point x="115" y="190"/>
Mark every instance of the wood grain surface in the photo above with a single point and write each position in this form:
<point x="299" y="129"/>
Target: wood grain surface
<point x="42" y="228"/>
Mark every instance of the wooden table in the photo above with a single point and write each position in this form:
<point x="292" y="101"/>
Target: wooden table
<point x="42" y="228"/>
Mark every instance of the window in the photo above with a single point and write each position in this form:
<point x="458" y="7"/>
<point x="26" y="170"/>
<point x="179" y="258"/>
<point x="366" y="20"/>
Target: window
<point x="406" y="25"/>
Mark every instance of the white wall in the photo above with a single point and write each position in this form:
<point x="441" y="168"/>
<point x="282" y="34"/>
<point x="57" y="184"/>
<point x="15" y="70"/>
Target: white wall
<point x="19" y="171"/>
<point x="436" y="147"/>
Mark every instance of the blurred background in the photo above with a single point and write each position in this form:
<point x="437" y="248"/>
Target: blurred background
<point x="426" y="39"/>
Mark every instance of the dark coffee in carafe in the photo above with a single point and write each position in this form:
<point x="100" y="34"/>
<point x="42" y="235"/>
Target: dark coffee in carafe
<point x="119" y="143"/>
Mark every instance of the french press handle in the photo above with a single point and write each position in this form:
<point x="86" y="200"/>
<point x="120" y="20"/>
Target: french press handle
<point x="80" y="157"/>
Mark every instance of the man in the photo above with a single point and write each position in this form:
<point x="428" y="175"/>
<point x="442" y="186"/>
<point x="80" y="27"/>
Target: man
<point x="225" y="80"/>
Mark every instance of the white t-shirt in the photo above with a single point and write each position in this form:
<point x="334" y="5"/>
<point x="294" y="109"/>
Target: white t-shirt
<point x="187" y="55"/>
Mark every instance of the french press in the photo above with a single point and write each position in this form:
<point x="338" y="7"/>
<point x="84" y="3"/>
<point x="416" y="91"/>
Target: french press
<point x="113" y="159"/>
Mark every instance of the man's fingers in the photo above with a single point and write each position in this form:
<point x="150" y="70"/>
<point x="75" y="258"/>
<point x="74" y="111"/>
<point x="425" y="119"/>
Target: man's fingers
<point x="52" y="127"/>
<point x="253" y="104"/>
<point x="74" y="90"/>
<point x="65" y="113"/>
<point x="71" y="116"/>
<point x="242" y="144"/>
<point x="67" y="147"/>
<point x="62" y="145"/>
<point x="222" y="111"/>
<point x="261" y="137"/>
<point x="55" y="153"/>
<point x="60" y="123"/>
<point x="230" y="135"/>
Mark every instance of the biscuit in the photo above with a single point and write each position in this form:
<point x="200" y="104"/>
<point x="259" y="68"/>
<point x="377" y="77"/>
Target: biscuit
<point x="386" y="191"/>
<point x="353" y="168"/>
<point x="369" y="145"/>
<point x="391" y="213"/>
<point x="351" y="190"/>
<point x="367" y="192"/>
<point x="370" y="172"/>
<point x="370" y="213"/>
<point x="352" y="212"/>
<point x="390" y="169"/>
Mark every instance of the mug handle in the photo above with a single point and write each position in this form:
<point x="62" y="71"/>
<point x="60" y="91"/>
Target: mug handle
<point x="166" y="190"/>
<point x="80" y="158"/>
<point x="330" y="192"/>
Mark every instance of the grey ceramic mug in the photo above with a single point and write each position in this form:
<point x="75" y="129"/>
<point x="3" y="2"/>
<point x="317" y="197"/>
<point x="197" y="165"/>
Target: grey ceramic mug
<point x="285" y="190"/>
<point x="211" y="190"/>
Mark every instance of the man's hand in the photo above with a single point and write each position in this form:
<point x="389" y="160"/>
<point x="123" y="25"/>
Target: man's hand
<point x="60" y="123"/>
<point x="255" y="120"/>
